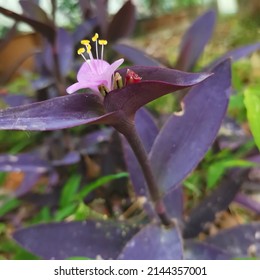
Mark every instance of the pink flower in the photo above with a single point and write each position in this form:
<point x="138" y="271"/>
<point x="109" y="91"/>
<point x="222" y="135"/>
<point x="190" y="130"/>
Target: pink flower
<point x="94" y="72"/>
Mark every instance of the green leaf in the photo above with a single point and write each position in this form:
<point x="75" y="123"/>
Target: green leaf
<point x="64" y="212"/>
<point x="217" y="169"/>
<point x="98" y="183"/>
<point x="69" y="190"/>
<point x="252" y="103"/>
<point x="8" y="205"/>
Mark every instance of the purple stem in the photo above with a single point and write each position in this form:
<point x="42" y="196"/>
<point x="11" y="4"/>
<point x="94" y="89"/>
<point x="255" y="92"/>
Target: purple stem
<point x="129" y="131"/>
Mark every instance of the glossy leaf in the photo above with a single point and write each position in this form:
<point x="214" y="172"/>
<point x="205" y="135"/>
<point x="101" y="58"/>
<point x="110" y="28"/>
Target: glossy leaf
<point x="194" y="250"/>
<point x="217" y="201"/>
<point x="235" y="54"/>
<point x="241" y="241"/>
<point x="55" y="113"/>
<point x="154" y="242"/>
<point x="185" y="138"/>
<point x="136" y="56"/>
<point x="195" y="40"/>
<point x="122" y="23"/>
<point x="92" y="239"/>
<point x="45" y="29"/>
<point x="252" y="103"/>
<point x="155" y="83"/>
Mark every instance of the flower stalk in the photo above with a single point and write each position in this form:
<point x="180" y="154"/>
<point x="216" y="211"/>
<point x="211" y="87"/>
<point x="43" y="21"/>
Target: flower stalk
<point x="129" y="131"/>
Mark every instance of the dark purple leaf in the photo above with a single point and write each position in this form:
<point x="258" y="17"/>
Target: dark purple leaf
<point x="185" y="138"/>
<point x="195" y="39"/>
<point x="154" y="242"/>
<point x="137" y="57"/>
<point x="147" y="131"/>
<point x="84" y="30"/>
<point x="65" y="51"/>
<point x="23" y="162"/>
<point x="194" y="250"/>
<point x="241" y="241"/>
<point x="122" y="23"/>
<point x="102" y="16"/>
<point x="70" y="158"/>
<point x="90" y="143"/>
<point x="92" y="239"/>
<point x="35" y="12"/>
<point x="56" y="113"/>
<point x="235" y="54"/>
<point x="248" y="202"/>
<point x="64" y="48"/>
<point x="155" y="83"/>
<point x="45" y="29"/>
<point x="217" y="201"/>
<point x="174" y="203"/>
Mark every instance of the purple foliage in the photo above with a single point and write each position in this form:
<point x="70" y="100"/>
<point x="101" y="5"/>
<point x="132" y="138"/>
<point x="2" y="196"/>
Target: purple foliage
<point x="158" y="160"/>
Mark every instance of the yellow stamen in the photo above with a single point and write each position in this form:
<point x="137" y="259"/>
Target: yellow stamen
<point x="81" y="51"/>
<point x="95" y="37"/>
<point x="88" y="49"/>
<point x="102" y="42"/>
<point x="85" y="42"/>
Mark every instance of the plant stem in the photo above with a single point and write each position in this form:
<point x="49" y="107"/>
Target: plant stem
<point x="129" y="131"/>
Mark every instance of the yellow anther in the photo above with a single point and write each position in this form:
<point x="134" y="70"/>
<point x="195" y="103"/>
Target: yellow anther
<point x="95" y="37"/>
<point x="102" y="42"/>
<point x="85" y="42"/>
<point x="88" y="49"/>
<point x="81" y="51"/>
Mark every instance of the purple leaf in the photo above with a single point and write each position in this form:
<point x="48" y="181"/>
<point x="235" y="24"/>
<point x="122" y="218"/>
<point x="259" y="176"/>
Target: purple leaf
<point x="29" y="181"/>
<point x="69" y="159"/>
<point x="154" y="242"/>
<point x="194" y="250"/>
<point x="122" y="23"/>
<point x="137" y="57"/>
<point x="217" y="201"/>
<point x="102" y="16"/>
<point x="235" y="54"/>
<point x="16" y="100"/>
<point x="83" y="30"/>
<point x="184" y="139"/>
<point x="241" y="241"/>
<point x="90" y="143"/>
<point x="195" y="39"/>
<point x="23" y="162"/>
<point x="65" y="51"/>
<point x="56" y="113"/>
<point x="92" y="239"/>
<point x="35" y="12"/>
<point x="174" y="203"/>
<point x="248" y="202"/>
<point x="45" y="29"/>
<point x="155" y="83"/>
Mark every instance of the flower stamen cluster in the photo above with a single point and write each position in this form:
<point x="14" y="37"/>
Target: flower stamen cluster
<point x="95" y="73"/>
